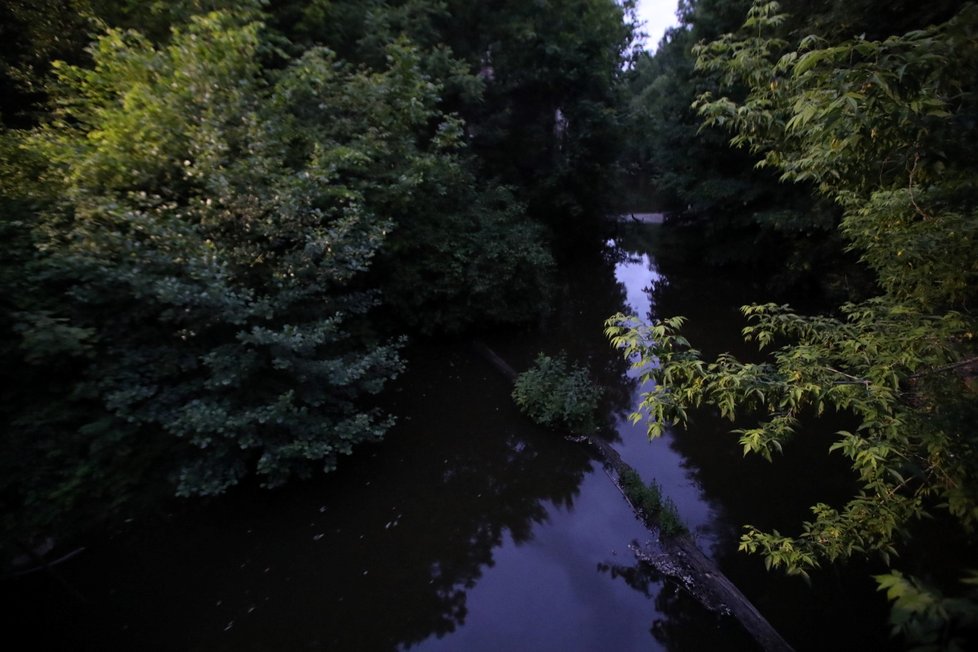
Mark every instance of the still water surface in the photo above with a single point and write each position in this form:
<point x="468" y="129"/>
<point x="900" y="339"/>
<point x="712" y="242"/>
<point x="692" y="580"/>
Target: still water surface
<point x="468" y="528"/>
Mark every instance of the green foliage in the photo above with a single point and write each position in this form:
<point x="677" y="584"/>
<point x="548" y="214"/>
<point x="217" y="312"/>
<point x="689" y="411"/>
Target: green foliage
<point x="728" y="211"/>
<point x="32" y="34"/>
<point x="36" y="33"/>
<point x="548" y="123"/>
<point x="208" y="219"/>
<point x="462" y="252"/>
<point x="536" y="84"/>
<point x="648" y="499"/>
<point x="467" y="258"/>
<point x="899" y="467"/>
<point x="693" y="170"/>
<point x="556" y="394"/>
<point x="882" y="128"/>
<point x="928" y="618"/>
<point x="193" y="297"/>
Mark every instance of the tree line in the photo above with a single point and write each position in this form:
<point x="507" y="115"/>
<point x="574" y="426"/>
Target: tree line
<point x="222" y="218"/>
<point x="851" y="126"/>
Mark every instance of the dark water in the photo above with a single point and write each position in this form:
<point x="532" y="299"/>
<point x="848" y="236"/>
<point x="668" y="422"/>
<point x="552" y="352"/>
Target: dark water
<point x="468" y="528"/>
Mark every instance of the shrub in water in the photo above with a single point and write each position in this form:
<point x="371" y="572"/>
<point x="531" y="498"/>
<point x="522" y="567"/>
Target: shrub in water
<point x="558" y="395"/>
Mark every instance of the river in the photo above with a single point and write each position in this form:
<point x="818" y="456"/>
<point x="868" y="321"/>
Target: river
<point x="468" y="528"/>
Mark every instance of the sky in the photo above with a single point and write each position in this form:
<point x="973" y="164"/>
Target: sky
<point x="657" y="15"/>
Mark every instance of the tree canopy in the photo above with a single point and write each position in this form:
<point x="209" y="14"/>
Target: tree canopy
<point x="221" y="219"/>
<point x="883" y="128"/>
<point x="730" y="213"/>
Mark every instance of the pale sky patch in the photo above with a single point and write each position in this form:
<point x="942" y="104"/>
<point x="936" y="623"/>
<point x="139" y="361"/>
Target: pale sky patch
<point x="658" y="15"/>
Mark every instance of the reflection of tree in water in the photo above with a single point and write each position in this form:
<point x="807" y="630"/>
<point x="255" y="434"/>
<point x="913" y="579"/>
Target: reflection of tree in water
<point x="751" y="490"/>
<point x="684" y="623"/>
<point x="377" y="557"/>
<point x="737" y="485"/>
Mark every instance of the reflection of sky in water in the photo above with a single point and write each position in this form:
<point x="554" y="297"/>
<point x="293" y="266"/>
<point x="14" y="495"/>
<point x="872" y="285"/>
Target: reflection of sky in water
<point x="534" y="595"/>
<point x="548" y="594"/>
<point x="657" y="459"/>
<point x="638" y="274"/>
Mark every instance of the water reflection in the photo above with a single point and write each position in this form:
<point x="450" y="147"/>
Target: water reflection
<point x="660" y="459"/>
<point x="547" y="593"/>
<point x="718" y="490"/>
<point x="637" y="273"/>
<point x="466" y="529"/>
<point x="466" y="525"/>
<point x="682" y="623"/>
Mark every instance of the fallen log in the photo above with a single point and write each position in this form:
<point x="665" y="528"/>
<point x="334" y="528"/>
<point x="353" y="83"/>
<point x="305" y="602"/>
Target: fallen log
<point x="677" y="556"/>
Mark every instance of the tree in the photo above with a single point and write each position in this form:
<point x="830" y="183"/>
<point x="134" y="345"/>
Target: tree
<point x="537" y="85"/>
<point x="464" y="253"/>
<point x="549" y="121"/>
<point x="194" y="311"/>
<point x="883" y="128"/>
<point x="728" y="212"/>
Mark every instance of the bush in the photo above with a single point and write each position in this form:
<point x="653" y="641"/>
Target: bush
<point x="556" y="394"/>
